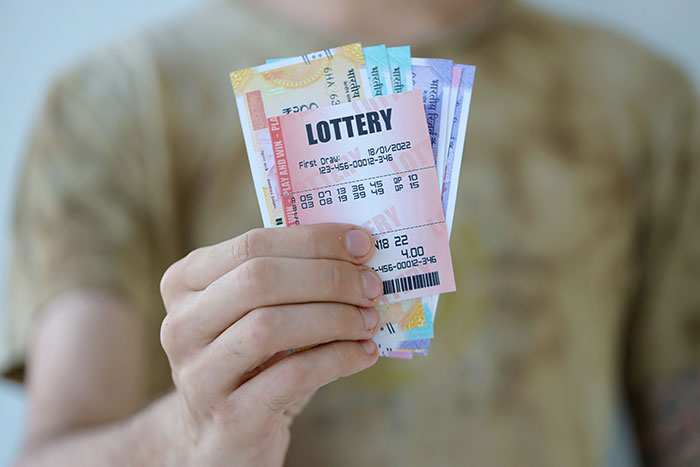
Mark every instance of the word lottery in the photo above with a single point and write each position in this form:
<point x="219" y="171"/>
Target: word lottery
<point x="373" y="137"/>
<point x="359" y="124"/>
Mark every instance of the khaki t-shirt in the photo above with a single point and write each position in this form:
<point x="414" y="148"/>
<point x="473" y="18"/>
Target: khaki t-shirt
<point x="575" y="243"/>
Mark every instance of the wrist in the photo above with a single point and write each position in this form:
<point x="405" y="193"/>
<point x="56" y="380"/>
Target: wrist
<point x="165" y="442"/>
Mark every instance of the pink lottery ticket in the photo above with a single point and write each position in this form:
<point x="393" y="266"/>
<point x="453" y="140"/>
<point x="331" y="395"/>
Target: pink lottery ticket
<point x="370" y="163"/>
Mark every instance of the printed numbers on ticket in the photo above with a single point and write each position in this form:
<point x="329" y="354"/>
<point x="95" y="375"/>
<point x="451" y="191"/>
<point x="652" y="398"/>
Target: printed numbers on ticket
<point x="370" y="163"/>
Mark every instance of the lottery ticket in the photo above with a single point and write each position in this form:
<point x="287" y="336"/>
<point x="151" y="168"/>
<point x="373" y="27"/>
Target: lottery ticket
<point x="311" y="81"/>
<point x="377" y="172"/>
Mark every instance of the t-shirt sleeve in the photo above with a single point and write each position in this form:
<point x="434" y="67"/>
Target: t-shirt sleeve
<point x="94" y="207"/>
<point x="664" y="339"/>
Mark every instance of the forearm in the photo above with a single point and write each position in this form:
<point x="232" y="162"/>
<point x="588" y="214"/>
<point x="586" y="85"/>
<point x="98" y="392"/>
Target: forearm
<point x="668" y="417"/>
<point x="153" y="436"/>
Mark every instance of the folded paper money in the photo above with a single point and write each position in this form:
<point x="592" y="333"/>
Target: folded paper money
<point x="373" y="137"/>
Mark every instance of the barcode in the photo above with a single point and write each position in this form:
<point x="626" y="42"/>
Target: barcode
<point x="419" y="281"/>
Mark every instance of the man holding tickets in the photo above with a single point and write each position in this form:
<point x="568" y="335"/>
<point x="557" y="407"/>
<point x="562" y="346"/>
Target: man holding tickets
<point x="574" y="246"/>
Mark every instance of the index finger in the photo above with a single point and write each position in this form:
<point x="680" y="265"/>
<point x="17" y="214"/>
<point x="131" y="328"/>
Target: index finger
<point x="345" y="242"/>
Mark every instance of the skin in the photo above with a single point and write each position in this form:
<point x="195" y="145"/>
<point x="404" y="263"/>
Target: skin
<point x="233" y="311"/>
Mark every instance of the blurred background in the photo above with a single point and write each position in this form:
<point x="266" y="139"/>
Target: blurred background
<point x="38" y="38"/>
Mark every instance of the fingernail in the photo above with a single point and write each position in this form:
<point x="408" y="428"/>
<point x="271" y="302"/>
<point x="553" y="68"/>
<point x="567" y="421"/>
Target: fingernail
<point x="370" y="316"/>
<point x="359" y="243"/>
<point x="371" y="283"/>
<point x="369" y="346"/>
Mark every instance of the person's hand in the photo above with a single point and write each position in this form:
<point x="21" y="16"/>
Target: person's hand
<point x="234" y="310"/>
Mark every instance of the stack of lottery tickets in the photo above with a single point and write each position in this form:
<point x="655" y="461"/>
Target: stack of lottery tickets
<point x="373" y="137"/>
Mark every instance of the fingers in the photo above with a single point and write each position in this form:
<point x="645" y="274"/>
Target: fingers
<point x="277" y="388"/>
<point x="328" y="240"/>
<point x="264" y="332"/>
<point x="278" y="281"/>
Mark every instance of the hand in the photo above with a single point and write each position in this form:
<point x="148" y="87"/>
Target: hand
<point x="233" y="312"/>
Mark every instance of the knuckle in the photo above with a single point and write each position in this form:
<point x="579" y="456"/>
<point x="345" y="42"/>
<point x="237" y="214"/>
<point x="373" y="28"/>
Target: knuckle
<point x="189" y="380"/>
<point x="340" y="352"/>
<point x="189" y="374"/>
<point x="261" y="327"/>
<point x="314" y="239"/>
<point x="351" y="320"/>
<point x="345" y="361"/>
<point x="255" y="272"/>
<point x="249" y="245"/>
<point x="185" y="270"/>
<point x="233" y="351"/>
<point x="171" y="333"/>
<point x="168" y="281"/>
<point x="295" y="374"/>
<point x="294" y="378"/>
<point x="188" y="261"/>
<point x="165" y="335"/>
<point x="338" y="321"/>
<point x="337" y="275"/>
<point x="341" y="276"/>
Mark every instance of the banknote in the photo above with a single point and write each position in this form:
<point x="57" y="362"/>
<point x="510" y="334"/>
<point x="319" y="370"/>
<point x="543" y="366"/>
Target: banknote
<point x="403" y="349"/>
<point x="400" y="64"/>
<point x="409" y="319"/>
<point x="454" y="90"/>
<point x="377" y="70"/>
<point x="369" y="163"/>
<point x="408" y="340"/>
<point x="453" y="162"/>
<point x="377" y="65"/>
<point x="318" y="79"/>
<point x="433" y="77"/>
<point x="418" y="347"/>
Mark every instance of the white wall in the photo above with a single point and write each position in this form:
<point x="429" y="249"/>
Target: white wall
<point x="670" y="27"/>
<point x="37" y="37"/>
